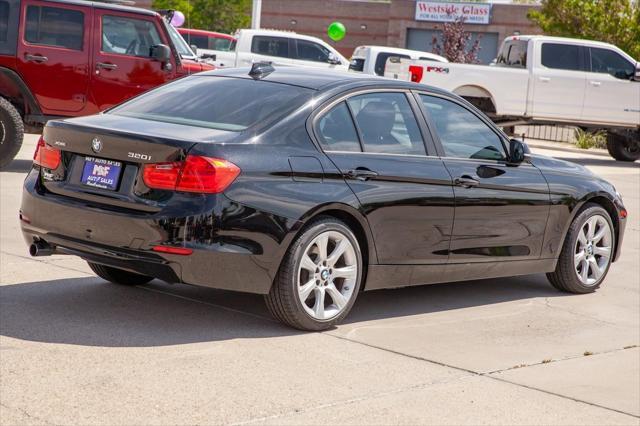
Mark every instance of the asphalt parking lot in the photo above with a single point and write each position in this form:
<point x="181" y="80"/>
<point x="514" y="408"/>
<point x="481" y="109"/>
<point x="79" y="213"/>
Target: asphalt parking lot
<point x="76" y="350"/>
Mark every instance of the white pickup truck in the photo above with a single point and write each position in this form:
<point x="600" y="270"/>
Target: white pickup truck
<point x="547" y="80"/>
<point x="279" y="47"/>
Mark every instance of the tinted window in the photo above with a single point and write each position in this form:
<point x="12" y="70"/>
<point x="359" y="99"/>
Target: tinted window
<point x="609" y="62"/>
<point x="356" y="64"/>
<point x="128" y="36"/>
<point x="53" y="26"/>
<point x="201" y="42"/>
<point x="218" y="43"/>
<point x="337" y="132"/>
<point x="462" y="134"/>
<point x="216" y="102"/>
<point x="310" y="51"/>
<point x="513" y="54"/>
<point x="561" y="56"/>
<point x="387" y="124"/>
<point x="271" y="46"/>
<point x="4" y="20"/>
<point x="381" y="61"/>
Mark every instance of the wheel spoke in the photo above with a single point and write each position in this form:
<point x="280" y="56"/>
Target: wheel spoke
<point x="307" y="263"/>
<point x="602" y="251"/>
<point x="306" y="290"/>
<point x="321" y="243"/>
<point x="595" y="268"/>
<point x="347" y="272"/>
<point x="582" y="238"/>
<point x="584" y="272"/>
<point x="578" y="258"/>
<point x="338" y="251"/>
<point x="337" y="297"/>
<point x="601" y="233"/>
<point x="318" y="307"/>
<point x="592" y="227"/>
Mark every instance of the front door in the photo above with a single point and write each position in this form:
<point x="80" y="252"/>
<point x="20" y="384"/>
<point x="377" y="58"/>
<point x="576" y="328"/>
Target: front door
<point x="122" y="67"/>
<point x="501" y="210"/>
<point x="53" y="57"/>
<point x="376" y="142"/>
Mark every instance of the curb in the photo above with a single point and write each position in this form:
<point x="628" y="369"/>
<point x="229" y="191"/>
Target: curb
<point x="574" y="150"/>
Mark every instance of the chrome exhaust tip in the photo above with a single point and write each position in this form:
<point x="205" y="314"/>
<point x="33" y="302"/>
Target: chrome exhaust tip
<point x="40" y="248"/>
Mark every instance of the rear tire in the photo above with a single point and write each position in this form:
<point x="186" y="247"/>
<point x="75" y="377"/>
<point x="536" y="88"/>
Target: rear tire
<point x="586" y="253"/>
<point x="118" y="276"/>
<point x="11" y="132"/>
<point x="319" y="277"/>
<point x="622" y="148"/>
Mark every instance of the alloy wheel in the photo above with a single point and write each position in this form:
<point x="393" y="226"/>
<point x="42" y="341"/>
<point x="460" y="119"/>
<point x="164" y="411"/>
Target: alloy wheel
<point x="593" y="249"/>
<point x="327" y="275"/>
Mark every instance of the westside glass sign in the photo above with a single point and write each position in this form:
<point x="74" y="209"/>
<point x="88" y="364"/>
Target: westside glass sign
<point x="437" y="11"/>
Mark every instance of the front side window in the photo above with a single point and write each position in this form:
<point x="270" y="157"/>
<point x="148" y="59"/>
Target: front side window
<point x="462" y="134"/>
<point x="126" y="36"/>
<point x="561" y="56"/>
<point x="310" y="51"/>
<point x="513" y="54"/>
<point x="270" y="46"/>
<point x="381" y="61"/>
<point x="337" y="131"/>
<point x="54" y="26"/>
<point x="4" y="20"/>
<point x="223" y="103"/>
<point x="609" y="62"/>
<point x="387" y="124"/>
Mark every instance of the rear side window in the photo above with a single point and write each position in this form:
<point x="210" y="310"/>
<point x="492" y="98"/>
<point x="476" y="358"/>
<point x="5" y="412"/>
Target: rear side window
<point x="4" y="20"/>
<point x="222" y="103"/>
<point x="381" y="61"/>
<point x="387" y="124"/>
<point x="270" y="46"/>
<point x="337" y="131"/>
<point x="219" y="43"/>
<point x="561" y="56"/>
<point x="54" y="26"/>
<point x="609" y="62"/>
<point x="513" y="54"/>
<point x="126" y="36"/>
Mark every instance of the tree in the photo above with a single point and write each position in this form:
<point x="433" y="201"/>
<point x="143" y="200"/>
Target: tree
<point x="215" y="15"/>
<point x="612" y="21"/>
<point x="454" y="43"/>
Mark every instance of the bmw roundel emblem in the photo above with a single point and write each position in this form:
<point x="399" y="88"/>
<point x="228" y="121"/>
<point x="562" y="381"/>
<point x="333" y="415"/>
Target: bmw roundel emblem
<point x="96" y="145"/>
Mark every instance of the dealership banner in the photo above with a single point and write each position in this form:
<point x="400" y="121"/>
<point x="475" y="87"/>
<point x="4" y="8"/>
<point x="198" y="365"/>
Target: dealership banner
<point x="473" y="13"/>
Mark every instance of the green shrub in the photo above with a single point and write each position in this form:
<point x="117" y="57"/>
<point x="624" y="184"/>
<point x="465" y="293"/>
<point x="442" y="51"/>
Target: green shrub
<point x="586" y="139"/>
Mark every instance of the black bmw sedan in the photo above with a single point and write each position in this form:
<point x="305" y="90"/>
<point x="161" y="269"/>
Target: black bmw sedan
<point x="309" y="187"/>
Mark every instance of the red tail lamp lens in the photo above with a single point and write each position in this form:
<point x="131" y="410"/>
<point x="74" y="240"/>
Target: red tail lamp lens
<point x="194" y="174"/>
<point x="46" y="156"/>
<point x="173" y="250"/>
<point x="416" y="73"/>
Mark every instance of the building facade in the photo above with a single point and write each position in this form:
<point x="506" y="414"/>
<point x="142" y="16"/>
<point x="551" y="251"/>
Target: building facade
<point x="399" y="23"/>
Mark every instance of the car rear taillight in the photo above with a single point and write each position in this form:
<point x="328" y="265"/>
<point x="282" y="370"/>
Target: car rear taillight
<point x="46" y="156"/>
<point x="194" y="174"/>
<point x="416" y="73"/>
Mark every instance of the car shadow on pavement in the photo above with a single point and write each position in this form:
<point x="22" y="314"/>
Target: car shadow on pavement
<point x="87" y="311"/>
<point x="18" y="166"/>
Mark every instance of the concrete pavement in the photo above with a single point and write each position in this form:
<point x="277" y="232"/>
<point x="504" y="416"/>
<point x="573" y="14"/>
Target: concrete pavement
<point x="75" y="350"/>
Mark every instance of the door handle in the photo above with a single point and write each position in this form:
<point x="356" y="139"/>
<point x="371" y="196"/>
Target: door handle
<point x="106" y="65"/>
<point x="544" y="79"/>
<point x="35" y="58"/>
<point x="466" y="181"/>
<point x="361" y="174"/>
<point x="595" y="83"/>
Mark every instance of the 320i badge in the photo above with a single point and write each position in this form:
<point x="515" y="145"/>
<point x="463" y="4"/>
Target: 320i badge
<point x="310" y="187"/>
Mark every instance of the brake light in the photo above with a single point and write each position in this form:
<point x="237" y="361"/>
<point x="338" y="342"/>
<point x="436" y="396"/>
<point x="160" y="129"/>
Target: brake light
<point x="173" y="250"/>
<point x="416" y="72"/>
<point x="194" y="174"/>
<point x="46" y="156"/>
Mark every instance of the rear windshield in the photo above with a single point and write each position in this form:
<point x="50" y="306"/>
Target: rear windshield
<point x="221" y="103"/>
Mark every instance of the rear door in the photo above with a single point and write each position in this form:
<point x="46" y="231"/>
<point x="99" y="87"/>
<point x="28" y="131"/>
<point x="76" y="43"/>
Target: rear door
<point x="501" y="209"/>
<point x="377" y="143"/>
<point x="53" y="54"/>
<point x="559" y="81"/>
<point x="122" y="66"/>
<point x="612" y="96"/>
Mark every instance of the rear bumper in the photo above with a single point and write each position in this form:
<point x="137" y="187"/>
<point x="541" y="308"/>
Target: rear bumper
<point x="234" y="247"/>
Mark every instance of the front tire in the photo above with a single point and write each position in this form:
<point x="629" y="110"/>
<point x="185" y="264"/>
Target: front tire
<point x="118" y="276"/>
<point x="587" y="252"/>
<point x="622" y="148"/>
<point x="319" y="278"/>
<point x="11" y="132"/>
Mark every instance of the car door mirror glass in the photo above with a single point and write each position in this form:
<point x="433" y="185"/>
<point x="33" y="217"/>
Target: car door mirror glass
<point x="160" y="52"/>
<point x="517" y="151"/>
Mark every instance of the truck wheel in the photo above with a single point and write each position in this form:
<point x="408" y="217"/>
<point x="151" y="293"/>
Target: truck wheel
<point x="11" y="132"/>
<point x="622" y="148"/>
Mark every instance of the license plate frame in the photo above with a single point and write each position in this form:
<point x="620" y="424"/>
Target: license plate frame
<point x="101" y="173"/>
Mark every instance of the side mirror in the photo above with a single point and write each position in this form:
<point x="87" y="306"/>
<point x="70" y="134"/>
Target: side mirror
<point x="333" y="59"/>
<point x="160" y="52"/>
<point x="194" y="48"/>
<point x="517" y="151"/>
<point x="208" y="56"/>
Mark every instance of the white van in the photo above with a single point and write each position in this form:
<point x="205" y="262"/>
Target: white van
<point x="372" y="59"/>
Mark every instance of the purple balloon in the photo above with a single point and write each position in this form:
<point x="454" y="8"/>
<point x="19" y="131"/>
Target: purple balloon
<point x="178" y="19"/>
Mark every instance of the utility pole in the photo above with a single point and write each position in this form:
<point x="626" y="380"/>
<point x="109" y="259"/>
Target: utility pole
<point x="255" y="14"/>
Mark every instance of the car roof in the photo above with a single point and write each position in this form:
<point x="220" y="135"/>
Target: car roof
<point x="205" y="32"/>
<point x="104" y="5"/>
<point x="321" y="79"/>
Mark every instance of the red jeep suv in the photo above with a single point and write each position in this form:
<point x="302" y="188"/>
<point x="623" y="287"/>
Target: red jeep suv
<point x="66" y="58"/>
